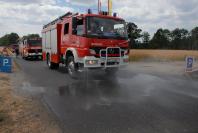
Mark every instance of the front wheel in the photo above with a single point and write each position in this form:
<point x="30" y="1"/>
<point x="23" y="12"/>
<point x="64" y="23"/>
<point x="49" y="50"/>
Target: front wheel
<point x="72" y="67"/>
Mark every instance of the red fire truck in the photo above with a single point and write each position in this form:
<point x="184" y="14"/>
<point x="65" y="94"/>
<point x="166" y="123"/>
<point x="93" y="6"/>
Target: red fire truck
<point x="86" y="41"/>
<point x="31" y="48"/>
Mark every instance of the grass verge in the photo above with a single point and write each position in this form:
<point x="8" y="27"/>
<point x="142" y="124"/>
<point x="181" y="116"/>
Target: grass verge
<point x="23" y="114"/>
<point x="161" y="55"/>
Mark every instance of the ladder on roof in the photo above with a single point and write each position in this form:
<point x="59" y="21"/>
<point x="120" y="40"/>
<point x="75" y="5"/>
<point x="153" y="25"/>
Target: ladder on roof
<point x="56" y="20"/>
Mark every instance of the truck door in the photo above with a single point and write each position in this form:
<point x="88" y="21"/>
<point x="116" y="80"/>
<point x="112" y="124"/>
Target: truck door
<point x="66" y="38"/>
<point x="77" y="33"/>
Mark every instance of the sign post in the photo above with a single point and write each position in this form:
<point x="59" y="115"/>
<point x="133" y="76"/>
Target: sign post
<point x="189" y="64"/>
<point x="5" y="64"/>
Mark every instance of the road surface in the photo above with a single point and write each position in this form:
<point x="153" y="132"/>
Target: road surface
<point x="140" y="99"/>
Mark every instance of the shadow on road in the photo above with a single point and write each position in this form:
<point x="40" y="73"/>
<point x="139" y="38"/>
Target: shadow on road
<point x="90" y="87"/>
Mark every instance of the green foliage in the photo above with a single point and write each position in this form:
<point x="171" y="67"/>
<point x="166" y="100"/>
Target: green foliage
<point x="31" y="36"/>
<point x="194" y="38"/>
<point x="13" y="38"/>
<point x="145" y="40"/>
<point x="161" y="39"/>
<point x="179" y="39"/>
<point x="134" y="33"/>
<point x="9" y="39"/>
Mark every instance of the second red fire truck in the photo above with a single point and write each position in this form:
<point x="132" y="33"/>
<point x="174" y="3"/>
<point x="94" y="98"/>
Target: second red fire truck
<point x="86" y="41"/>
<point x="31" y="48"/>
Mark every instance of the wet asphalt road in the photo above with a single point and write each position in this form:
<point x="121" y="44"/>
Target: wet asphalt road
<point x="132" y="102"/>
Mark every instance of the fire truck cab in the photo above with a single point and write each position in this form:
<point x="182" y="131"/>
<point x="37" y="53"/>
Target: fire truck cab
<point x="85" y="41"/>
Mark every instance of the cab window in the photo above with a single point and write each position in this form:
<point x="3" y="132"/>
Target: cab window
<point x="66" y="29"/>
<point x="80" y="27"/>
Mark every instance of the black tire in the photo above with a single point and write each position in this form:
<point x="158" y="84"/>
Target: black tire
<point x="25" y="58"/>
<point x="72" y="68"/>
<point x="50" y="64"/>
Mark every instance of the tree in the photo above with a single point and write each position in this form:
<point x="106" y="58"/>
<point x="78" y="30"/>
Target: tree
<point x="179" y="38"/>
<point x="9" y="39"/>
<point x="161" y="39"/>
<point x="145" y="39"/>
<point x="31" y="36"/>
<point x="194" y="38"/>
<point x="4" y="40"/>
<point x="133" y="33"/>
<point x="13" y="38"/>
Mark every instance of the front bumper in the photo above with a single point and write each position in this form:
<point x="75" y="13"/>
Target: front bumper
<point x="103" y="62"/>
<point x="34" y="55"/>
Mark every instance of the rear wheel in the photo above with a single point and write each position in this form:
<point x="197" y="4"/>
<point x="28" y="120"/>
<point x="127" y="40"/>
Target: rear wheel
<point x="50" y="64"/>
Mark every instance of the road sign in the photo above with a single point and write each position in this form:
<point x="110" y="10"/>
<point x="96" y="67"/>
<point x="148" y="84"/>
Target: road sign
<point x="189" y="64"/>
<point x="5" y="64"/>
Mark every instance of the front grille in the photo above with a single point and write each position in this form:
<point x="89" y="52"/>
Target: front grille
<point x="103" y="54"/>
<point x="112" y="52"/>
<point x="112" y="63"/>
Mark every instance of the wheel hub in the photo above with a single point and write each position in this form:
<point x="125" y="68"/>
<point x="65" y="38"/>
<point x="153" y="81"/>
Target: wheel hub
<point x="71" y="68"/>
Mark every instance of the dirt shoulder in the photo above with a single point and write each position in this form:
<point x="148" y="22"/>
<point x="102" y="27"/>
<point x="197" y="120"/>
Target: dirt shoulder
<point x="23" y="115"/>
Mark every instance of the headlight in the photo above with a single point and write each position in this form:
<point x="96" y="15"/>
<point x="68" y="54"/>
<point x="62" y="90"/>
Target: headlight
<point x="91" y="62"/>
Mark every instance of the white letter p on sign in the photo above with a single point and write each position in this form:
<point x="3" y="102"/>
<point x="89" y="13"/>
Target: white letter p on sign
<point x="5" y="61"/>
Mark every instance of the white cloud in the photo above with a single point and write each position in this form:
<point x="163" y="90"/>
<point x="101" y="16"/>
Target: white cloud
<point x="28" y="18"/>
<point x="147" y="14"/>
<point x="82" y="2"/>
<point x="31" y="1"/>
<point x="153" y="14"/>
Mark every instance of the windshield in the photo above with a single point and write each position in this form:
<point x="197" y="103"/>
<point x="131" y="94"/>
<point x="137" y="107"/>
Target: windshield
<point x="106" y="28"/>
<point x="34" y="42"/>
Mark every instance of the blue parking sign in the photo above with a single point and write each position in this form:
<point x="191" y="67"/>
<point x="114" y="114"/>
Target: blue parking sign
<point x="189" y="63"/>
<point x="6" y="64"/>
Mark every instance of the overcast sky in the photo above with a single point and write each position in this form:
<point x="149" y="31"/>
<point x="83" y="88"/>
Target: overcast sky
<point x="28" y="16"/>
